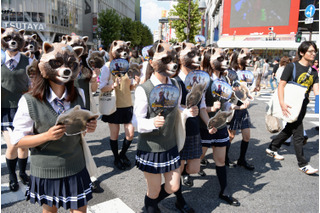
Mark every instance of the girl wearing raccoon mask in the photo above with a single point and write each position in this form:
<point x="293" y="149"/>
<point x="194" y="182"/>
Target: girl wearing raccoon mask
<point x="157" y="152"/>
<point x="123" y="115"/>
<point x="59" y="176"/>
<point x="220" y="140"/>
<point x="240" y="120"/>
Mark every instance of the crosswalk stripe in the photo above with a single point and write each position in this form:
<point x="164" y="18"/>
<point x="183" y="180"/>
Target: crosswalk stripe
<point x="114" y="205"/>
<point x="10" y="197"/>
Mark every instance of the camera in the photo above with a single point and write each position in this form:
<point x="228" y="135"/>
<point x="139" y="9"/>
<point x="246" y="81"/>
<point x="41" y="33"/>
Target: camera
<point x="270" y="28"/>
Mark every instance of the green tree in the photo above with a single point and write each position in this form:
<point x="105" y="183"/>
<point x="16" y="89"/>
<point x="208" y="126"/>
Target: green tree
<point x="181" y="10"/>
<point x="109" y="23"/>
<point x="128" y="30"/>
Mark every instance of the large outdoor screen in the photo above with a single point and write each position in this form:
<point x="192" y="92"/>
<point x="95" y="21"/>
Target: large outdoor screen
<point x="243" y="17"/>
<point x="255" y="13"/>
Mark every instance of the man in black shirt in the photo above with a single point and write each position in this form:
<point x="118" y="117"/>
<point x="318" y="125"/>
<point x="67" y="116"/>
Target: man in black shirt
<point x="307" y="52"/>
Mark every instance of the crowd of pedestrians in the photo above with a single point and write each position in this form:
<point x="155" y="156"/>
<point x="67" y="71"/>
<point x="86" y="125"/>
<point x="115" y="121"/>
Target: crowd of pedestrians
<point x="29" y="112"/>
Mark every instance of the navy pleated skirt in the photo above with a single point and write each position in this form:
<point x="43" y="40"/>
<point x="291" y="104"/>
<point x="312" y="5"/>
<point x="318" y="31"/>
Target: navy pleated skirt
<point x="158" y="162"/>
<point x="219" y="139"/>
<point x="7" y="115"/>
<point x="240" y="120"/>
<point x="192" y="148"/>
<point x="70" y="192"/>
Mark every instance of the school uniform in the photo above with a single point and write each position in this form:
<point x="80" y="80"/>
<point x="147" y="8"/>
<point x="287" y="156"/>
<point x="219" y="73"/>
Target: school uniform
<point x="58" y="173"/>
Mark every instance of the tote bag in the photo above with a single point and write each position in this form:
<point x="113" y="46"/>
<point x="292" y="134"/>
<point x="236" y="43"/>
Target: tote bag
<point x="107" y="101"/>
<point x="294" y="95"/>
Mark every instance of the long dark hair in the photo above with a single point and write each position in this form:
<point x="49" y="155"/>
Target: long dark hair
<point x="234" y="60"/>
<point x="206" y="62"/>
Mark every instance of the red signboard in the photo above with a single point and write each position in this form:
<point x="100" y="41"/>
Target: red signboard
<point x="245" y="17"/>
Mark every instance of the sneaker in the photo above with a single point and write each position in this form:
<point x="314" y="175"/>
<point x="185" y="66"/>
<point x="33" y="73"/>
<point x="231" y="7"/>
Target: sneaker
<point x="308" y="170"/>
<point x="204" y="162"/>
<point x="274" y="154"/>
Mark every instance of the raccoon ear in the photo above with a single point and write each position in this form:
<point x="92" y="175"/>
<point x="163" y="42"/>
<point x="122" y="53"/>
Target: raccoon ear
<point x="3" y="30"/>
<point x="90" y="51"/>
<point x="212" y="51"/>
<point x="177" y="48"/>
<point x="159" y="48"/>
<point x="34" y="36"/>
<point x="242" y="51"/>
<point x="85" y="38"/>
<point x="102" y="53"/>
<point x="21" y="32"/>
<point x="114" y="43"/>
<point x="78" y="50"/>
<point x="128" y="43"/>
<point x="69" y="38"/>
<point x="184" y="45"/>
<point x="77" y="107"/>
<point x="63" y="38"/>
<point x="28" y="53"/>
<point x="198" y="45"/>
<point x="251" y="50"/>
<point x="46" y="47"/>
<point x="226" y="50"/>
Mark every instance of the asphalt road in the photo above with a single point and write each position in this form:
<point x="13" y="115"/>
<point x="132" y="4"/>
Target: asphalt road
<point x="273" y="186"/>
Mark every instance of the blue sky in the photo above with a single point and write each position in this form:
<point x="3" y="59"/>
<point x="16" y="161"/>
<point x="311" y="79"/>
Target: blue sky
<point x="151" y="12"/>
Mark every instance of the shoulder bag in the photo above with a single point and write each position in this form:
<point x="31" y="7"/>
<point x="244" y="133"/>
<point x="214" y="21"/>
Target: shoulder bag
<point x="107" y="100"/>
<point x="294" y="95"/>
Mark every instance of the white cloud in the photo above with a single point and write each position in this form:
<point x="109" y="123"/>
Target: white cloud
<point x="151" y="12"/>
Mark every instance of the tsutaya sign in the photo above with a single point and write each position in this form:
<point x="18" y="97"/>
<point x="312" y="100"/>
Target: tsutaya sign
<point x="34" y="26"/>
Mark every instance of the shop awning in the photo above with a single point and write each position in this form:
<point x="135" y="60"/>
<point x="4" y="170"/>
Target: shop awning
<point x="259" y="42"/>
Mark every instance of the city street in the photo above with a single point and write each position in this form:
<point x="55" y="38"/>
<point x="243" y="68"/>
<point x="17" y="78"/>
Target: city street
<point x="273" y="186"/>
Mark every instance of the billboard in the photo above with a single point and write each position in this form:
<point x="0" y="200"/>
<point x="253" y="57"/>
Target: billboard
<point x="245" y="17"/>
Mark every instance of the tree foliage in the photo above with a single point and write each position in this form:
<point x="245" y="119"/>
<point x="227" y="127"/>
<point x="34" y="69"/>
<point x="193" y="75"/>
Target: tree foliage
<point x="109" y="23"/>
<point x="181" y="10"/>
<point x="113" y="27"/>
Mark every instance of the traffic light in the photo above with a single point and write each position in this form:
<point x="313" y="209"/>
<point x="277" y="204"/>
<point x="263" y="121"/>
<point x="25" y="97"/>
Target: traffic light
<point x="298" y="36"/>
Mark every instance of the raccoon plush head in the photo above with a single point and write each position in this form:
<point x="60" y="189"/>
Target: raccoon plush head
<point x="189" y="56"/>
<point x="163" y="60"/>
<point x="75" y="41"/>
<point x="12" y="39"/>
<point x="31" y="43"/>
<point x="219" y="59"/>
<point x="245" y="57"/>
<point x="119" y="49"/>
<point x="134" y="70"/>
<point x="59" y="62"/>
<point x="96" y="59"/>
<point x="76" y="119"/>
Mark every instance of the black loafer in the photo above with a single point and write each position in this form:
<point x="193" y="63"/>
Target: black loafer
<point x="25" y="179"/>
<point x="229" y="199"/>
<point x="119" y="164"/>
<point x="231" y="164"/>
<point x="204" y="162"/>
<point x="13" y="185"/>
<point x="125" y="161"/>
<point x="96" y="188"/>
<point x="184" y="209"/>
<point x="245" y="165"/>
<point x="187" y="181"/>
<point x="202" y="173"/>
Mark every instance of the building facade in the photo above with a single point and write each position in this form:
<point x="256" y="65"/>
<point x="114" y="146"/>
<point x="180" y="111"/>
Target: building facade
<point x="270" y="27"/>
<point x="50" y="19"/>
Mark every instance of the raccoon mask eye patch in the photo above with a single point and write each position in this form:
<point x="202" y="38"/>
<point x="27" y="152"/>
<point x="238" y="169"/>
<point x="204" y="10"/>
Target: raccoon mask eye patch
<point x="221" y="58"/>
<point x="8" y="38"/>
<point x="191" y="54"/>
<point x="55" y="63"/>
<point x="166" y="60"/>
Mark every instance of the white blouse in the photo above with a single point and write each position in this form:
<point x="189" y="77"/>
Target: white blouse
<point x="22" y="122"/>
